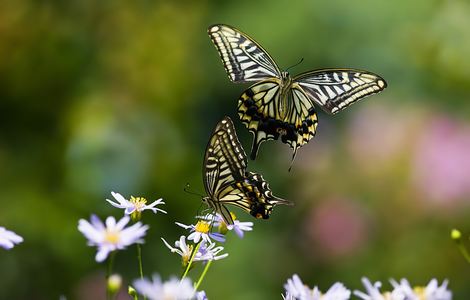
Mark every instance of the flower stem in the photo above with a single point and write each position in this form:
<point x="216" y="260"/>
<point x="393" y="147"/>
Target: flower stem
<point x="109" y="271"/>
<point x="196" y="287"/>
<point x="139" y="259"/>
<point x="190" y="262"/>
<point x="464" y="251"/>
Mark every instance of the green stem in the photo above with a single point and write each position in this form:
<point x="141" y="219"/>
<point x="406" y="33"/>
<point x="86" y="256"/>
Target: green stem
<point x="464" y="251"/>
<point x="196" y="287"/>
<point x="190" y="262"/>
<point x="109" y="271"/>
<point x="139" y="259"/>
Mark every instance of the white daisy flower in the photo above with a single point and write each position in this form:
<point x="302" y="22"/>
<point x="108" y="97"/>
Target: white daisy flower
<point x="430" y="292"/>
<point x="201" y="231"/>
<point x="8" y="238"/>
<point x="297" y="290"/>
<point x="205" y="253"/>
<point x="136" y="205"/>
<point x="113" y="236"/>
<point x="172" y="289"/>
<point x="183" y="249"/>
<point x="238" y="227"/>
<point x="208" y="252"/>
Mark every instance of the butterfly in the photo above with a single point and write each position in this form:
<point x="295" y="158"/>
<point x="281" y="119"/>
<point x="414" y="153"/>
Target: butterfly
<point x="226" y="180"/>
<point x="281" y="106"/>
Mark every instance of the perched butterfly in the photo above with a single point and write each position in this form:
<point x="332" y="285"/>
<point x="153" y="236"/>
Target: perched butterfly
<point x="226" y="180"/>
<point x="279" y="105"/>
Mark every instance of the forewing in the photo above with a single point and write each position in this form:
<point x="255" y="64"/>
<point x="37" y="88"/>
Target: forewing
<point x="243" y="58"/>
<point x="261" y="111"/>
<point x="225" y="160"/>
<point x="336" y="89"/>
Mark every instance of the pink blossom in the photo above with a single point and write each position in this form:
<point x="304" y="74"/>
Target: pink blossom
<point x="336" y="227"/>
<point x="441" y="162"/>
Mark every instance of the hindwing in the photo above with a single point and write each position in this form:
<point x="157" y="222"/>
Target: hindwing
<point x="262" y="111"/>
<point x="253" y="195"/>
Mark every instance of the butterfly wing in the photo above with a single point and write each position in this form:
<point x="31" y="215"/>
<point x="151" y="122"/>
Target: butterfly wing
<point x="243" y="58"/>
<point x="336" y="89"/>
<point x="225" y="160"/>
<point x="226" y="180"/>
<point x="253" y="195"/>
<point x="260" y="109"/>
<point x="224" y="163"/>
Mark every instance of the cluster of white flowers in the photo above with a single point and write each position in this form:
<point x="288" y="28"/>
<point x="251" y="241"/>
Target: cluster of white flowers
<point x="402" y="290"/>
<point x="200" y="245"/>
<point x="201" y="232"/>
<point x="115" y="235"/>
<point x="296" y="290"/>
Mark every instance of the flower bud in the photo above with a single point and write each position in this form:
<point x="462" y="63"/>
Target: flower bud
<point x="456" y="235"/>
<point x="132" y="292"/>
<point x="114" y="283"/>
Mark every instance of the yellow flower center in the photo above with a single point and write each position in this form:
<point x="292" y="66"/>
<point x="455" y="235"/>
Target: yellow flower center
<point x="111" y="236"/>
<point x="202" y="226"/>
<point x="387" y="295"/>
<point x="139" y="202"/>
<point x="419" y="291"/>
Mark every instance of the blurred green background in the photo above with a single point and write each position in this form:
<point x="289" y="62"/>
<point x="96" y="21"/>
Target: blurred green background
<point x="101" y="96"/>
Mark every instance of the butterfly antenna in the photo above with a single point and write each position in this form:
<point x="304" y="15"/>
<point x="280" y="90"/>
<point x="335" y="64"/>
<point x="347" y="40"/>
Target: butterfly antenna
<point x="186" y="189"/>
<point x="301" y="60"/>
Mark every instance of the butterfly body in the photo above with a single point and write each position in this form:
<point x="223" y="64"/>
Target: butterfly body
<point x="226" y="180"/>
<point x="278" y="105"/>
<point x="279" y="119"/>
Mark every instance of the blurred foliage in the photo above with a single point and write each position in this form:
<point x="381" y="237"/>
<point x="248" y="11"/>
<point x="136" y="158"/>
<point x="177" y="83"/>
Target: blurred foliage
<point x="98" y="96"/>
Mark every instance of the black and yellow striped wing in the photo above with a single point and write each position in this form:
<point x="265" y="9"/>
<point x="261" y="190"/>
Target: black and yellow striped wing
<point x="225" y="160"/>
<point x="335" y="89"/>
<point x="269" y="117"/>
<point x="243" y="58"/>
<point x="226" y="180"/>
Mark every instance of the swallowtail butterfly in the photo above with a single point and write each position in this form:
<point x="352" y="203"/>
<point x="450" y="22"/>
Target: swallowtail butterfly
<point x="278" y="105"/>
<point x="226" y="180"/>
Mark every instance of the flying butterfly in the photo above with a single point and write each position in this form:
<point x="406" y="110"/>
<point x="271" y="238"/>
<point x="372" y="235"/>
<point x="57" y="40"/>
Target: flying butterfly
<point x="279" y="105"/>
<point x="226" y="180"/>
